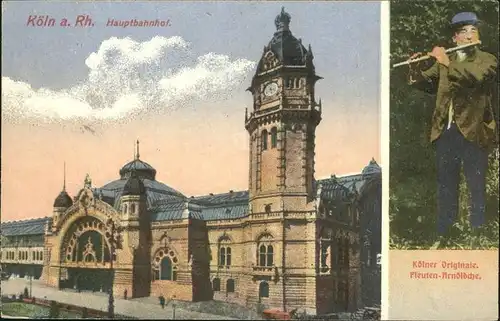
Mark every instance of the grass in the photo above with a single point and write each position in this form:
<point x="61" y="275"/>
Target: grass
<point x="20" y="309"/>
<point x="459" y="238"/>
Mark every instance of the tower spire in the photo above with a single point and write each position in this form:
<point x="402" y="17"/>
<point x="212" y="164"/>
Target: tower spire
<point x="137" y="152"/>
<point x="64" y="177"/>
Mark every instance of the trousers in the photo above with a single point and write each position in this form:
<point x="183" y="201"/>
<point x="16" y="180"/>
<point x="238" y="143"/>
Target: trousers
<point x="453" y="150"/>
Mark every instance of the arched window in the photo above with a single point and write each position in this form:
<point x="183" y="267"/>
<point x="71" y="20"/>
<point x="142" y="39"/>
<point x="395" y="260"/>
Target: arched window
<point x="41" y="256"/>
<point x="263" y="290"/>
<point x="262" y="255"/>
<point x="264" y="139"/>
<point x="224" y="250"/>
<point x="166" y="271"/>
<point x="266" y="255"/>
<point x="222" y="256"/>
<point x="132" y="208"/>
<point x="165" y="265"/>
<point x="216" y="284"/>
<point x="270" y="255"/>
<point x="230" y="285"/>
<point x="274" y="137"/>
<point x="267" y="208"/>
<point x="124" y="208"/>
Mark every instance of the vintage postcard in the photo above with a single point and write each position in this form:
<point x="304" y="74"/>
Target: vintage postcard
<point x="443" y="208"/>
<point x="191" y="160"/>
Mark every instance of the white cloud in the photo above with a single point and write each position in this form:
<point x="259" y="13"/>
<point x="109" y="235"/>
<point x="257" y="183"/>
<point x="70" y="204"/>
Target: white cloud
<point x="127" y="78"/>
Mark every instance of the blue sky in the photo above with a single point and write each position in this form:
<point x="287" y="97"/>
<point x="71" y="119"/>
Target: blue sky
<point x="344" y="36"/>
<point x="185" y="83"/>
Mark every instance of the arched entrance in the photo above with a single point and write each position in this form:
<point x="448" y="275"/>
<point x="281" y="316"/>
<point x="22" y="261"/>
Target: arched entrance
<point x="86" y="257"/>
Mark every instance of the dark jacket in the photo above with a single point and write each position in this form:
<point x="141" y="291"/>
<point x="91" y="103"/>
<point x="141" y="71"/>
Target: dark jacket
<point x="471" y="84"/>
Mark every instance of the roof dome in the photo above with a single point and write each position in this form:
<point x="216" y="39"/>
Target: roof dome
<point x="371" y="168"/>
<point x="134" y="185"/>
<point x="288" y="49"/>
<point x="63" y="200"/>
<point x="140" y="168"/>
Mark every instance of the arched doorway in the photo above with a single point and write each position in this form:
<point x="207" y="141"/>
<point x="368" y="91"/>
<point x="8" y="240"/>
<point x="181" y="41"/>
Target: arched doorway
<point x="86" y="257"/>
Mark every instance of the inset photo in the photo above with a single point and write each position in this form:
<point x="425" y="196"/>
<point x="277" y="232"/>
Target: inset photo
<point x="444" y="125"/>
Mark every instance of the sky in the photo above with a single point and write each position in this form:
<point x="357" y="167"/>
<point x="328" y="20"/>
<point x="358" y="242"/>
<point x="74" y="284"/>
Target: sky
<point x="82" y="95"/>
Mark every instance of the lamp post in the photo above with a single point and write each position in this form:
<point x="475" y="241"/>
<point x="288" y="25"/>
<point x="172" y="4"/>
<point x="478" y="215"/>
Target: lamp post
<point x="31" y="268"/>
<point x="114" y="238"/>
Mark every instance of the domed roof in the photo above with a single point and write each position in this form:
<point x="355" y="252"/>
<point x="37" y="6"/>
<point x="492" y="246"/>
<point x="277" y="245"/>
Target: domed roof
<point x="63" y="200"/>
<point x="134" y="185"/>
<point x="136" y="178"/>
<point x="284" y="50"/>
<point x="288" y="49"/>
<point x="371" y="168"/>
<point x="141" y="168"/>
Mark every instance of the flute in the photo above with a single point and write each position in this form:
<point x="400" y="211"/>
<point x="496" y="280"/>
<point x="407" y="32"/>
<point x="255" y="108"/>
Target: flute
<point x="450" y="50"/>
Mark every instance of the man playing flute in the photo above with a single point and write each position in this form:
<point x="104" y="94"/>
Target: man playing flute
<point x="463" y="123"/>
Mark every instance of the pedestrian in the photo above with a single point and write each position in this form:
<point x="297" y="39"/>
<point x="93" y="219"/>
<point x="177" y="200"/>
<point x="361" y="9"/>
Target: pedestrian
<point x="125" y="294"/>
<point x="463" y="126"/>
<point x="162" y="301"/>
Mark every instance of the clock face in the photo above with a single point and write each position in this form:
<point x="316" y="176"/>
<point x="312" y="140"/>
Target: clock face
<point x="271" y="89"/>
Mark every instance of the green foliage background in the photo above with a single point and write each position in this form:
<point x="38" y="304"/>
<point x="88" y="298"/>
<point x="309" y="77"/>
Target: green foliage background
<point x="418" y="26"/>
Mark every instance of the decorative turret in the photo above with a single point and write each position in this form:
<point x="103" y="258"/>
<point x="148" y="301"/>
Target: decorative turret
<point x="134" y="186"/>
<point x="141" y="168"/>
<point x="284" y="49"/>
<point x="371" y="168"/>
<point x="62" y="202"/>
<point x="133" y="198"/>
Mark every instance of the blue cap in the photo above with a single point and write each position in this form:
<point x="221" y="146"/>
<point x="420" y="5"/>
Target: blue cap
<point x="465" y="18"/>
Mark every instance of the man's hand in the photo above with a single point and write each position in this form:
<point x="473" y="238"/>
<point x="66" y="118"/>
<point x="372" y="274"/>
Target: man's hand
<point x="440" y="54"/>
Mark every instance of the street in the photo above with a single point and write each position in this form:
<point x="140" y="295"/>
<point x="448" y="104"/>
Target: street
<point x="139" y="308"/>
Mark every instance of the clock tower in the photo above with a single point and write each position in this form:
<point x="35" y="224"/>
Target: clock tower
<point x="282" y="124"/>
